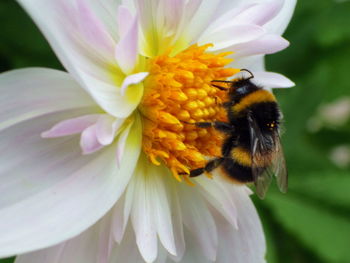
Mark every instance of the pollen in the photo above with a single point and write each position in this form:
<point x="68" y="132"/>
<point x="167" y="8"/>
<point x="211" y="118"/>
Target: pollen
<point x="178" y="93"/>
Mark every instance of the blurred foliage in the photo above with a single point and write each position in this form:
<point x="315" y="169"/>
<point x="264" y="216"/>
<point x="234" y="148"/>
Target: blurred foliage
<point x="312" y="222"/>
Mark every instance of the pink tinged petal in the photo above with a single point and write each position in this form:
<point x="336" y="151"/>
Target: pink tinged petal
<point x="279" y="24"/>
<point x="126" y="51"/>
<point x="267" y="44"/>
<point x="78" y="192"/>
<point x="81" y="249"/>
<point x="272" y="80"/>
<point x="71" y="126"/>
<point x="247" y="243"/>
<point x="92" y="28"/>
<point x="28" y="93"/>
<point x="84" y="62"/>
<point x="199" y="222"/>
<point x="125" y="20"/>
<point x="107" y="127"/>
<point x="121" y="143"/>
<point x="29" y="171"/>
<point x="261" y="13"/>
<point x="233" y="35"/>
<point x="88" y="141"/>
<point x="132" y="80"/>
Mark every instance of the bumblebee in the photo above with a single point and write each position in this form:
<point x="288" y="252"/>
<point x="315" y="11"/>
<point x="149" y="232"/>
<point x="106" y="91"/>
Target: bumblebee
<point x="252" y="150"/>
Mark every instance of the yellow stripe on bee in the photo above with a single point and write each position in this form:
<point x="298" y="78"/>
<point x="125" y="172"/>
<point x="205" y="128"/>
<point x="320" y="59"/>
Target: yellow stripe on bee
<point x="258" y="96"/>
<point x="244" y="158"/>
<point x="241" y="156"/>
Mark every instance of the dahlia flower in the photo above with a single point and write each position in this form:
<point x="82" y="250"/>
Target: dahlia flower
<point x="94" y="162"/>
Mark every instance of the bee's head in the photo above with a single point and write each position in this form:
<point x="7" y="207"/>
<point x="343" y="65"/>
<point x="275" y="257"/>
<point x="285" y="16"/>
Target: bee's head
<point x="238" y="87"/>
<point x="241" y="87"/>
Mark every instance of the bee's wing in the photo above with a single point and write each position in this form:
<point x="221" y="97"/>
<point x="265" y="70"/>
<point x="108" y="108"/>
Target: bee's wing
<point x="279" y="166"/>
<point x="262" y="176"/>
<point x="266" y="149"/>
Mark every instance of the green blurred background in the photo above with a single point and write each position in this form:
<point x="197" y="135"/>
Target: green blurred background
<point x="312" y="222"/>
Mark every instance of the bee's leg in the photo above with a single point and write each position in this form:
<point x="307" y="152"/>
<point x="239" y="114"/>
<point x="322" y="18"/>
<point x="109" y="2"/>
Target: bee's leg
<point x="210" y="166"/>
<point x="219" y="125"/>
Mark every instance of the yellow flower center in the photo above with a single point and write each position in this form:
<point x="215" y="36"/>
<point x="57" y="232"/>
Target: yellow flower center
<point x="178" y="92"/>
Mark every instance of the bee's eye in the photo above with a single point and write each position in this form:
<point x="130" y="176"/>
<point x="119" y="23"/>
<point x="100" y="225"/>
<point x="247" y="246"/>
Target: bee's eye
<point x="271" y="125"/>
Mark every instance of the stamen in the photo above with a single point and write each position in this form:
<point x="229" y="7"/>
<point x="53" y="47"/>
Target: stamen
<point x="178" y="91"/>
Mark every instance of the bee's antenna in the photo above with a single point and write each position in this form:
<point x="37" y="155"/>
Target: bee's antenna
<point x="219" y="87"/>
<point x="246" y="70"/>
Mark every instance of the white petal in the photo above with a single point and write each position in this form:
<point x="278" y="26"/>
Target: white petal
<point x="121" y="212"/>
<point x="146" y="236"/>
<point x="109" y="98"/>
<point x="127" y="251"/>
<point x="193" y="254"/>
<point x="219" y="198"/>
<point x="205" y="13"/>
<point x="71" y="126"/>
<point x="176" y="217"/>
<point x="172" y="12"/>
<point x="121" y="143"/>
<point x="105" y="129"/>
<point x="27" y="93"/>
<point x="132" y="80"/>
<point x="76" y="192"/>
<point x="126" y="51"/>
<point x="247" y="244"/>
<point x="267" y="44"/>
<point x="161" y="210"/>
<point x="199" y="221"/>
<point x="118" y="227"/>
<point x="232" y="35"/>
<point x="261" y="13"/>
<point x="146" y="11"/>
<point x="279" y="24"/>
<point x="253" y="63"/>
<point x="272" y="80"/>
<point x="105" y="239"/>
<point x="227" y="16"/>
<point x="52" y="255"/>
<point x="153" y="216"/>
